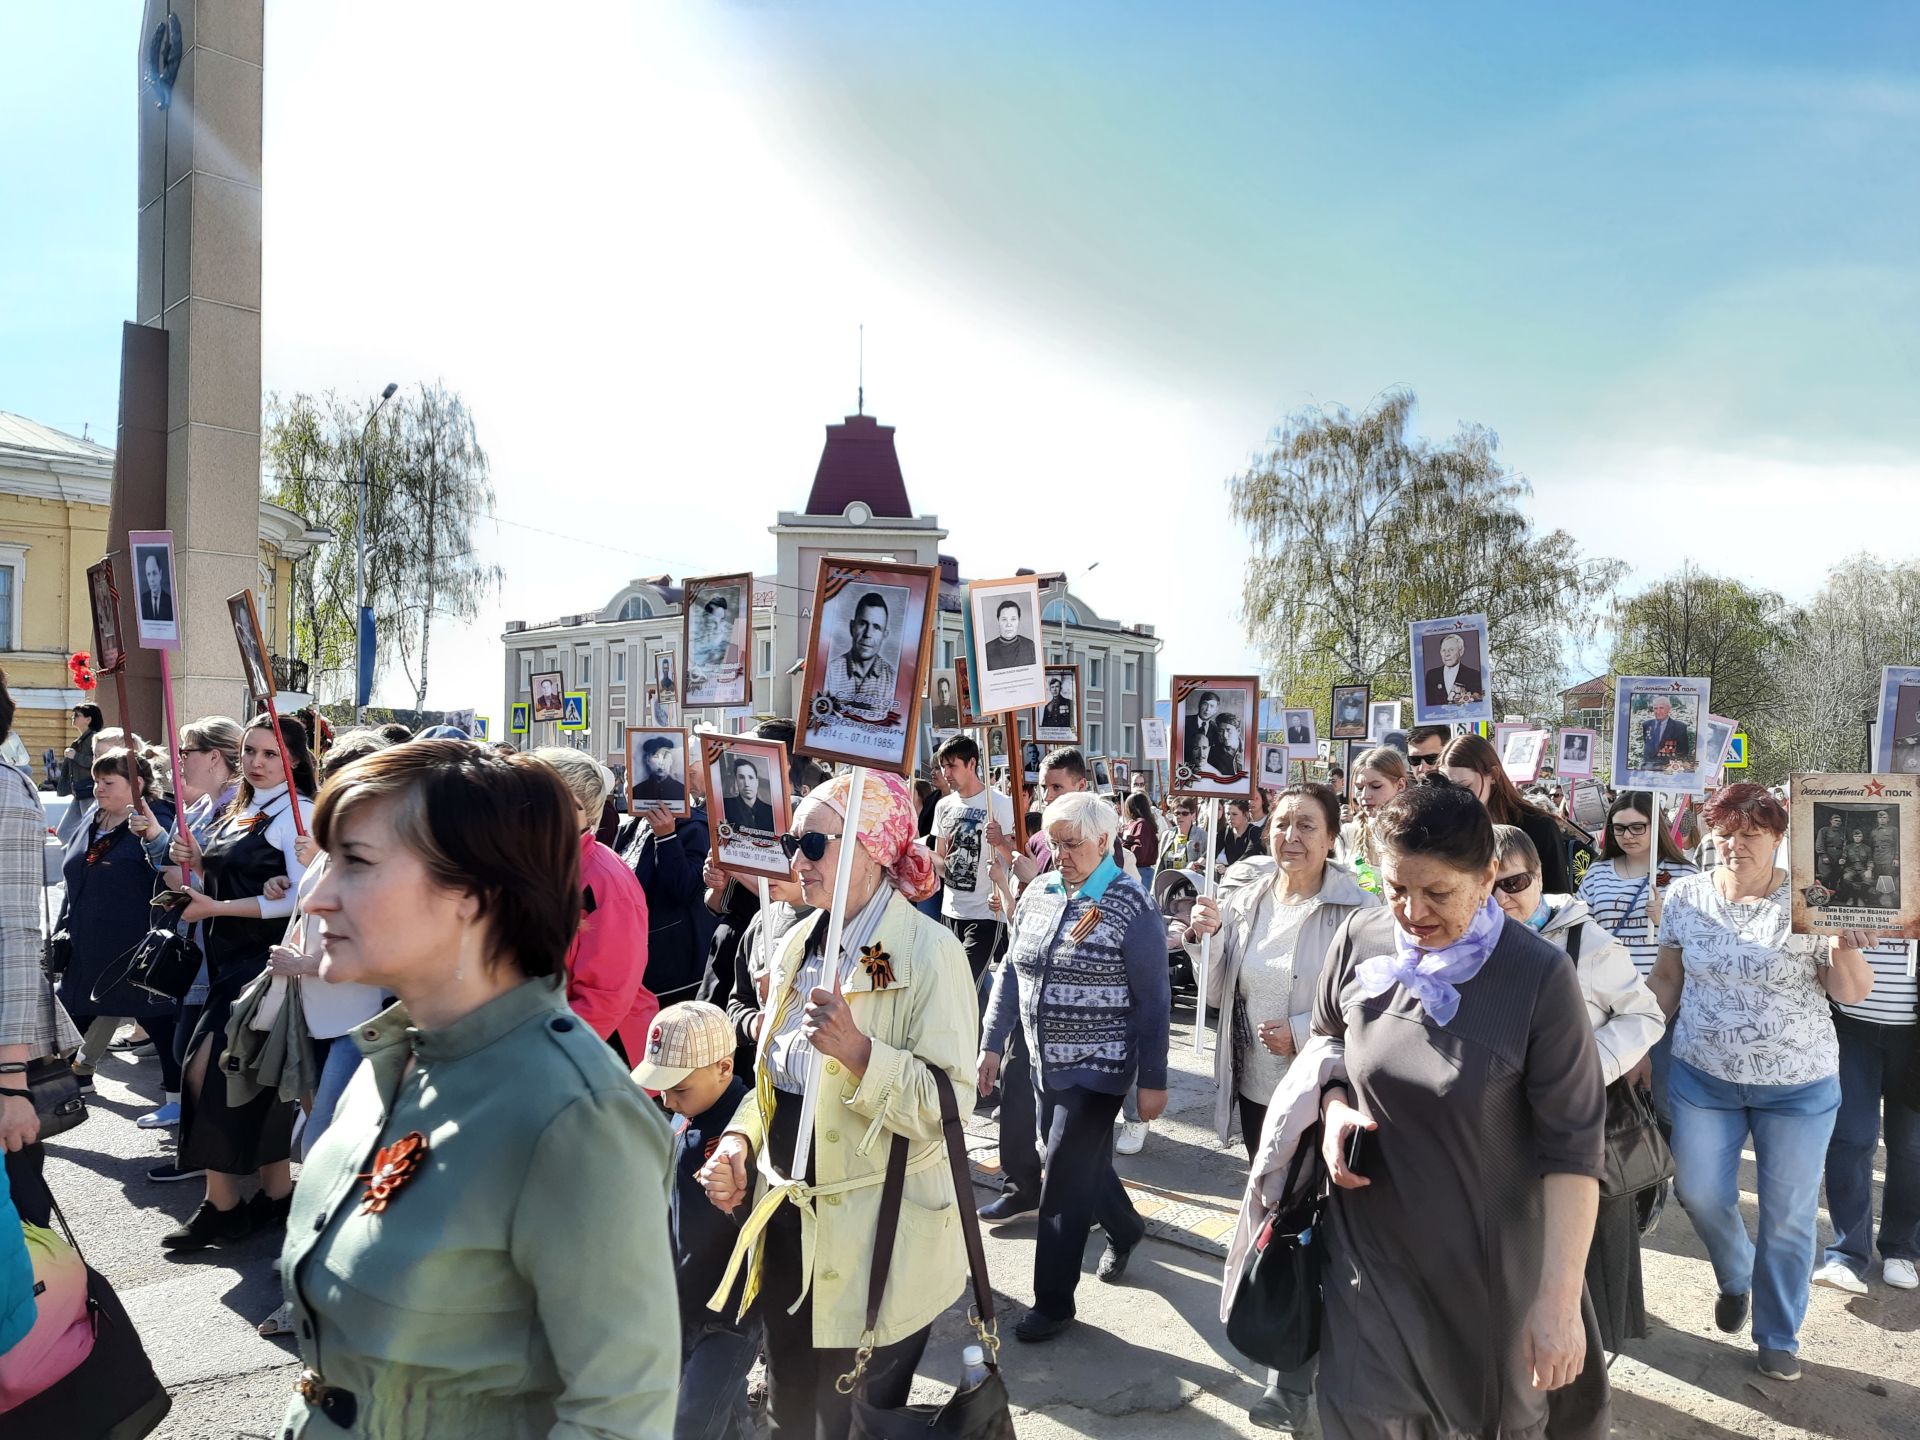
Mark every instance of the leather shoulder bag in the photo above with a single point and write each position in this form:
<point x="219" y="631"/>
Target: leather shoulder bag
<point x="1277" y="1307"/>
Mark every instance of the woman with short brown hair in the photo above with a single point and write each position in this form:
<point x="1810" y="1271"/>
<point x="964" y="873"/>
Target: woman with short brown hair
<point x="1471" y="760"/>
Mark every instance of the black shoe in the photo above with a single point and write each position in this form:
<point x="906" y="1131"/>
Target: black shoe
<point x="168" y="1172"/>
<point x="1779" y="1365"/>
<point x="1035" y="1328"/>
<point x="1730" y="1312"/>
<point x="1113" y="1262"/>
<point x="1010" y="1205"/>
<point x="1283" y="1410"/>
<point x="267" y="1213"/>
<point x="84" y="1076"/>
<point x="210" y="1227"/>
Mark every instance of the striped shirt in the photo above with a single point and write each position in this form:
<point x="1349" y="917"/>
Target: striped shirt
<point x="1619" y="903"/>
<point x="1896" y="996"/>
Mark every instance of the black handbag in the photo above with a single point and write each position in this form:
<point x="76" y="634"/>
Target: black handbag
<point x="165" y="964"/>
<point x="56" y="954"/>
<point x="56" y="1095"/>
<point x="1278" y="1305"/>
<point x="1637" y="1154"/>
<point x="982" y="1412"/>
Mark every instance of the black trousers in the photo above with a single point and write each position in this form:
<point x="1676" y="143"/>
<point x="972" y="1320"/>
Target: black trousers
<point x="1019" y="1120"/>
<point x="980" y="939"/>
<point x="1253" y="1115"/>
<point x="1080" y="1187"/>
<point x="161" y="1027"/>
<point x="802" y="1403"/>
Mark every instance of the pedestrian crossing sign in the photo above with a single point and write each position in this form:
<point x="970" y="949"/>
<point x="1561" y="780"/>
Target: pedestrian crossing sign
<point x="481" y="725"/>
<point x="573" y="713"/>
<point x="1737" y="751"/>
<point x="517" y="718"/>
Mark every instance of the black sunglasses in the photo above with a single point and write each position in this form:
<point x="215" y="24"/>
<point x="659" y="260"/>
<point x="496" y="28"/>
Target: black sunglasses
<point x="1423" y="759"/>
<point x="1514" y="884"/>
<point x="813" y="845"/>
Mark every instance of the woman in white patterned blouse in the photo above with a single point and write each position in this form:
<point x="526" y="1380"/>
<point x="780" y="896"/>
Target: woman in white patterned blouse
<point x="1753" y="1054"/>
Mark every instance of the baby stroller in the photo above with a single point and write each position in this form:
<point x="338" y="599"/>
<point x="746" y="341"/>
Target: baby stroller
<point x="1174" y="891"/>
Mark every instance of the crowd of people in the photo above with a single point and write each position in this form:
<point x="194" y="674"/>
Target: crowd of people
<point x="542" y="1064"/>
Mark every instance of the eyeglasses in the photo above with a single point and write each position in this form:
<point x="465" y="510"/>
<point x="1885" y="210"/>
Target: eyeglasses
<point x="813" y="845"/>
<point x="1514" y="884"/>
<point x="1433" y="759"/>
<point x="1631" y="829"/>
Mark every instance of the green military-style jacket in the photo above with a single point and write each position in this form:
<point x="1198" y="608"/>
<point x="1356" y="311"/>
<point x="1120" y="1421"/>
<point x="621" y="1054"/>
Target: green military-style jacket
<point x="519" y="1284"/>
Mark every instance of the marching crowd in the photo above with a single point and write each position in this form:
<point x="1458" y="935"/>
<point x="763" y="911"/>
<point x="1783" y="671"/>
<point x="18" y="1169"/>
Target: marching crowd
<point x="586" y="1127"/>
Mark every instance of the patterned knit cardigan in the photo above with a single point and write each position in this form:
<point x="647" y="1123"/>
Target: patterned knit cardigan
<point x="1092" y="997"/>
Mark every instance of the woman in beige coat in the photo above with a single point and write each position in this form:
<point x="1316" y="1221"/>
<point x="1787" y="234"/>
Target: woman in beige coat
<point x="896" y="1006"/>
<point x="1274" y="934"/>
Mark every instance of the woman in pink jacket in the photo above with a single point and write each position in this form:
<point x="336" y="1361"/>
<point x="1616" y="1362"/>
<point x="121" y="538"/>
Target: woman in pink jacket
<point x="608" y="958"/>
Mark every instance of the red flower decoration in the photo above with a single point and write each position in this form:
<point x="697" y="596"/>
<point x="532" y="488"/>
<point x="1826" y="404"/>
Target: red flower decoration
<point x="393" y="1167"/>
<point x="80" y="666"/>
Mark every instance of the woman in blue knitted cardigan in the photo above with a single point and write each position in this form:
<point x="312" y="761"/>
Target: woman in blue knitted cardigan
<point x="1086" y="980"/>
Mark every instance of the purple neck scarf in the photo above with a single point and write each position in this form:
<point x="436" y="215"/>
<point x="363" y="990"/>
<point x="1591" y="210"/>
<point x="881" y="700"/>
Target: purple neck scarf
<point x="1430" y="976"/>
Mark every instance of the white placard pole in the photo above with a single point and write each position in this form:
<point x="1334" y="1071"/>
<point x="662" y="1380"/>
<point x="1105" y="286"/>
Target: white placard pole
<point x="830" y="969"/>
<point x="1206" y="941"/>
<point x="765" y="942"/>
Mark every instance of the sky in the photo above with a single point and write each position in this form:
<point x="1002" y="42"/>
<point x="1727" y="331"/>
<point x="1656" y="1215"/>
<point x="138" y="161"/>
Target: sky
<point x="1099" y="251"/>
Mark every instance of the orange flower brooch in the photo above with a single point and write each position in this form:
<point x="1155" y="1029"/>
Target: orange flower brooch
<point x="393" y="1167"/>
<point x="878" y="965"/>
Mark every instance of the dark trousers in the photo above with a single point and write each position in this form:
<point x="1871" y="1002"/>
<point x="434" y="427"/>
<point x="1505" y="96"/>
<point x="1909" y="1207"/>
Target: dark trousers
<point x="714" y="1361"/>
<point x="1873" y="1064"/>
<point x="1080" y="1187"/>
<point x="161" y="1028"/>
<point x="1019" y="1120"/>
<point x="802" y="1403"/>
<point x="1253" y="1115"/>
<point x="980" y="939"/>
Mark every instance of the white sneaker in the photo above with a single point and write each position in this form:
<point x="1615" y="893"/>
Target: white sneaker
<point x="1900" y="1274"/>
<point x="1131" y="1137"/>
<point x="1836" y="1276"/>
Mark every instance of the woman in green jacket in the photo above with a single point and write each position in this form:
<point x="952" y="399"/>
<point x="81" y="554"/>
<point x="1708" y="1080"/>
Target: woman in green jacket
<point x="897" y="1006"/>
<point x="478" y="1244"/>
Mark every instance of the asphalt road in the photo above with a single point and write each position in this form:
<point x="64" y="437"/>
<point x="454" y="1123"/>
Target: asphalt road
<point x="1147" y="1359"/>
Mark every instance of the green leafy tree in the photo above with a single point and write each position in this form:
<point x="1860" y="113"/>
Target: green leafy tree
<point x="1694" y="623"/>
<point x="428" y="486"/>
<point x="1359" y="528"/>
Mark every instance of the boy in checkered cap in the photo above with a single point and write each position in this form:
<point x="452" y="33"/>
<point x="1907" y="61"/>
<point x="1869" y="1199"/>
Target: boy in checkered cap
<point x="689" y="1060"/>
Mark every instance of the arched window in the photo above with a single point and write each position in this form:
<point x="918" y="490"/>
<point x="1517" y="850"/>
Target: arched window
<point x="1058" y="611"/>
<point x="637" y="607"/>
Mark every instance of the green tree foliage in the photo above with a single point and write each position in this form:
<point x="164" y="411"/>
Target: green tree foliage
<point x="1694" y="623"/>
<point x="428" y="483"/>
<point x="1359" y="528"/>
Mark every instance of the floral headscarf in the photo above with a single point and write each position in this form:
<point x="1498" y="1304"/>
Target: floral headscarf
<point x="887" y="819"/>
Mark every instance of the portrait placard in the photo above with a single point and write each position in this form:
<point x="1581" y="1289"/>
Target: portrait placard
<point x="1122" y="774"/>
<point x="1897" y="751"/>
<point x="1716" y="741"/>
<point x="1350" y="712"/>
<point x="254" y="668"/>
<point x="155" y="611"/>
<point x="656" y="769"/>
<point x="549" y="699"/>
<point x="1854" y="844"/>
<point x="970" y="719"/>
<point x="666" y="672"/>
<point x="1522" y="753"/>
<point x="659" y="708"/>
<point x="943" y="704"/>
<point x="1587" y="804"/>
<point x="1102" y="774"/>
<point x="747" y="786"/>
<point x="1153" y="737"/>
<point x="1383" y="718"/>
<point x="1060" y="714"/>
<point x="1573" y="757"/>
<point x="1005" y="653"/>
<point x="1452" y="670"/>
<point x="1209" y="744"/>
<point x="1502" y="730"/>
<point x="1657" y="728"/>
<point x="862" y="684"/>
<point x="1273" y="765"/>
<point x="1301" y="730"/>
<point x="1032" y="752"/>
<point x="518" y="714"/>
<point x="573" y="710"/>
<point x="716" y="619"/>
<point x="103" y="598"/>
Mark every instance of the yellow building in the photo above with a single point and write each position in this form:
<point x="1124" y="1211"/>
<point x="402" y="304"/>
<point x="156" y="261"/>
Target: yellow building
<point x="54" y="492"/>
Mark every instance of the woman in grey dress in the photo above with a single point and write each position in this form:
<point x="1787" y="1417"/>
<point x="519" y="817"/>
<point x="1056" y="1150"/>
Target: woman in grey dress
<point x="1457" y="1242"/>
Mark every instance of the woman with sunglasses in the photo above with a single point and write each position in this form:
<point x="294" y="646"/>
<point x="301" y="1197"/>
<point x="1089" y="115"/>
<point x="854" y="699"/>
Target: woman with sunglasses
<point x="868" y="1027"/>
<point x="1626" y="1022"/>
<point x="1623" y="890"/>
<point x="1471" y="761"/>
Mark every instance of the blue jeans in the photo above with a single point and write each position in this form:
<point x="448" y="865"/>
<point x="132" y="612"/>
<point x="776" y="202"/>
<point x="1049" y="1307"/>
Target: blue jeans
<point x="343" y="1058"/>
<point x="714" y="1362"/>
<point x="1790" y="1125"/>
<point x="1873" y="1060"/>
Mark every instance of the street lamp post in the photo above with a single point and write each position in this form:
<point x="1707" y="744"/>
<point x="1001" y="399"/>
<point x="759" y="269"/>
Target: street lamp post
<point x="363" y="626"/>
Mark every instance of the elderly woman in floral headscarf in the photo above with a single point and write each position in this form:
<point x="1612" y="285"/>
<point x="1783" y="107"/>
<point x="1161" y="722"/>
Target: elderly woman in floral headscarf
<point x="872" y="1024"/>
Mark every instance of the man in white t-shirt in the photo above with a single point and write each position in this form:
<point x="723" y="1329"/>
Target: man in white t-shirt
<point x="961" y="854"/>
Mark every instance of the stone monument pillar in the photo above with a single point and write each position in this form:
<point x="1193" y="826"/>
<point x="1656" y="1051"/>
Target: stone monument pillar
<point x="199" y="279"/>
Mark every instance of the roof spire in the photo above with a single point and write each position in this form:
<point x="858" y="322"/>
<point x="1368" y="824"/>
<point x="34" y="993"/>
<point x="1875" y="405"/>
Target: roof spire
<point x="862" y="404"/>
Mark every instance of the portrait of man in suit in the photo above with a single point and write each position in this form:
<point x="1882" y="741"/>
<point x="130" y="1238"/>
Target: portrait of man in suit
<point x="1299" y="731"/>
<point x="1667" y="742"/>
<point x="156" y="587"/>
<point x="1198" y="736"/>
<point x="1453" y="681"/>
<point x="945" y="715"/>
<point x="746" y="810"/>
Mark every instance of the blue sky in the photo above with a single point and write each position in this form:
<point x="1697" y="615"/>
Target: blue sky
<point x="1666" y="252"/>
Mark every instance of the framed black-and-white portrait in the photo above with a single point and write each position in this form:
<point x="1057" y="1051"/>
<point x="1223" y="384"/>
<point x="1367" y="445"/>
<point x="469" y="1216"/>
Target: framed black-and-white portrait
<point x="1383" y="718"/>
<point x="549" y="700"/>
<point x="254" y="668"/>
<point x="1060" y="713"/>
<point x="1299" y="728"/>
<point x="943" y="704"/>
<point x="748" y="803"/>
<point x="156" y="609"/>
<point x="1452" y="673"/>
<point x="1575" y="753"/>
<point x="1350" y="712"/>
<point x="657" y="769"/>
<point x="1004" y="618"/>
<point x="103" y="598"/>
<point x="1213" y="720"/>
<point x="715" y="638"/>
<point x="863" y="680"/>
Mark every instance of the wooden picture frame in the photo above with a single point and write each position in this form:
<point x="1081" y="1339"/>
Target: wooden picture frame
<point x="254" y="667"/>
<point x="103" y="599"/>
<point x="1272" y="776"/>
<point x="945" y="704"/>
<point x="1198" y="756"/>
<point x="660" y="786"/>
<point x="547" y="692"/>
<point x="963" y="687"/>
<point x="1122" y="771"/>
<point x="745" y="832"/>
<point x="843" y="715"/>
<point x="1347" y="713"/>
<point x="716" y="657"/>
<point x="1062" y="709"/>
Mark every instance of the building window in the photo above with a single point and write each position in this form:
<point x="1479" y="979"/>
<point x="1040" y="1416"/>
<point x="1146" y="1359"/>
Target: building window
<point x="765" y="668"/>
<point x="1130" y="679"/>
<point x="636" y="608"/>
<point x="1095" y="739"/>
<point x="583" y="668"/>
<point x="619" y="665"/>
<point x="946" y="652"/>
<point x="1126" y="740"/>
<point x="13" y="584"/>
<point x="1060" y="612"/>
<point x="1096" y="672"/>
<point x="526" y="670"/>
